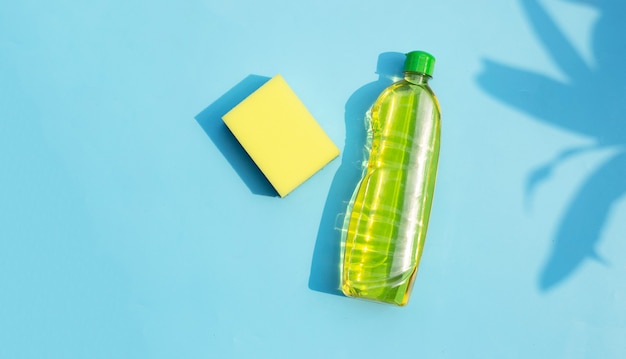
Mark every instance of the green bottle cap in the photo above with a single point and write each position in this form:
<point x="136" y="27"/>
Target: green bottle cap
<point x="420" y="61"/>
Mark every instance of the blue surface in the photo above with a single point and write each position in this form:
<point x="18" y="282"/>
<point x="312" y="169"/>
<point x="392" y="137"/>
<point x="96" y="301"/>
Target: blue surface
<point x="133" y="226"/>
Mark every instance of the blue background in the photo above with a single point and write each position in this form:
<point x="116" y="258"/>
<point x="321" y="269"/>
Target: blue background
<point x="132" y="225"/>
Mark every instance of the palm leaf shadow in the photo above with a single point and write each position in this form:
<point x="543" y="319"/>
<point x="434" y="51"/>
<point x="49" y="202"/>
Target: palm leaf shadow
<point x="589" y="103"/>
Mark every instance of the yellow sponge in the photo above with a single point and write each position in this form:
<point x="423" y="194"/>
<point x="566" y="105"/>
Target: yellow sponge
<point x="280" y="135"/>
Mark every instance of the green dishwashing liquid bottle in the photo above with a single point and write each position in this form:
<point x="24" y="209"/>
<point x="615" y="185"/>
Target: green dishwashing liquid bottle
<point x="388" y="217"/>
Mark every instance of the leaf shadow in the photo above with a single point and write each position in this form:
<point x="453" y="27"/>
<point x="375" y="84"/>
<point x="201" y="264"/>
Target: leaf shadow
<point x="589" y="103"/>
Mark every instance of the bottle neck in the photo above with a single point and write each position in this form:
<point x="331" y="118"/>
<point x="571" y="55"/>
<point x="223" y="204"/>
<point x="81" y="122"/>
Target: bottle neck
<point x="416" y="78"/>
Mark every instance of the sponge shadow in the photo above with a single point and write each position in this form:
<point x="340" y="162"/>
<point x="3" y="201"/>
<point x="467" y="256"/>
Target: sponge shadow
<point x="210" y="119"/>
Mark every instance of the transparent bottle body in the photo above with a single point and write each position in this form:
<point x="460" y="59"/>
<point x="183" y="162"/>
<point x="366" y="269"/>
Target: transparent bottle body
<point x="388" y="217"/>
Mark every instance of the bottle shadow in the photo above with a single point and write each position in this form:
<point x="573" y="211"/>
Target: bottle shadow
<point x="210" y="119"/>
<point x="589" y="103"/>
<point x="326" y="261"/>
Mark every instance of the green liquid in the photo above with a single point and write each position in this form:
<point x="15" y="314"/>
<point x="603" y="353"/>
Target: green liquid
<point x="387" y="225"/>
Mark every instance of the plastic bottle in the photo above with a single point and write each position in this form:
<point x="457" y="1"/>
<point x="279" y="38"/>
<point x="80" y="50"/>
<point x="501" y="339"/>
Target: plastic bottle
<point x="388" y="216"/>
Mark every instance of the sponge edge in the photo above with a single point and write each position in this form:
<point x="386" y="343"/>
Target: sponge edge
<point x="280" y="135"/>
